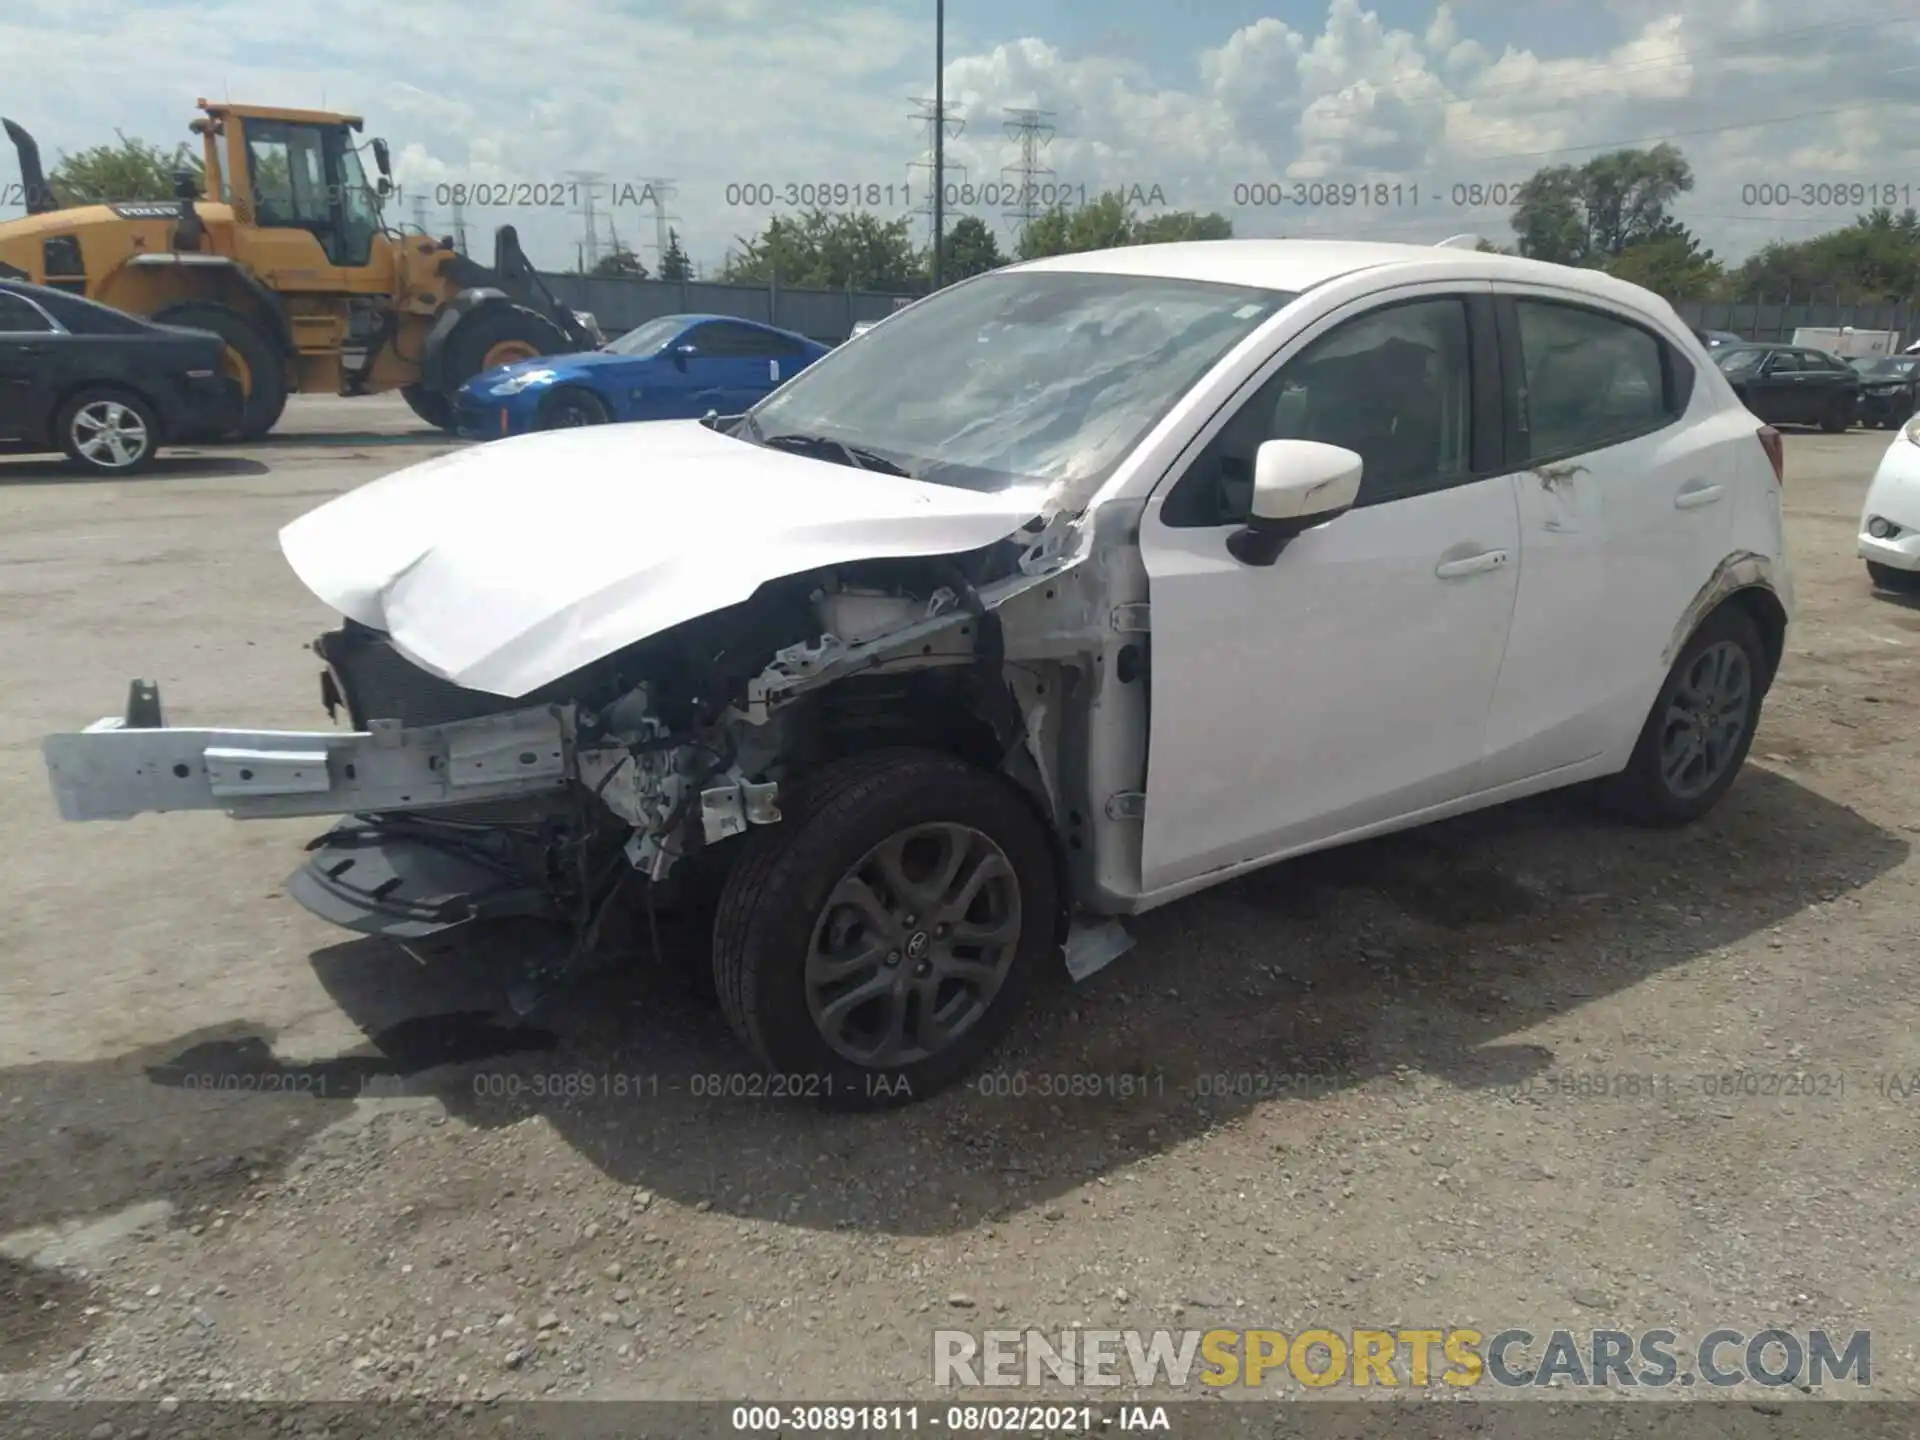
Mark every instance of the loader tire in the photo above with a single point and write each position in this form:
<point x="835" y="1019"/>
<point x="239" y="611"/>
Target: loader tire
<point x="251" y="359"/>
<point x="430" y="405"/>
<point x="500" y="334"/>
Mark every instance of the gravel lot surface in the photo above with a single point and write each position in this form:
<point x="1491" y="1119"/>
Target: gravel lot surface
<point x="1357" y="1094"/>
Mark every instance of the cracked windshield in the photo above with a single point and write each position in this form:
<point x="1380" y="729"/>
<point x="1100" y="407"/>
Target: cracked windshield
<point x="951" y="717"/>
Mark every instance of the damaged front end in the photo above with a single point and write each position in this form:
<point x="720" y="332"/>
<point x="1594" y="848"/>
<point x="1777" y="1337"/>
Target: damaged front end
<point x="620" y="786"/>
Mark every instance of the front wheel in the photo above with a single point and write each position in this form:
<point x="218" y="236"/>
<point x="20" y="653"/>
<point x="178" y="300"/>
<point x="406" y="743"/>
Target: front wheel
<point x="1702" y="724"/>
<point x="874" y="944"/>
<point x="568" y="409"/>
<point x="109" y="432"/>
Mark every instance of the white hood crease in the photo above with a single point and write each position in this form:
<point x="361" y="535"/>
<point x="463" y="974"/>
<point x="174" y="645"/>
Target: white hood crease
<point x="505" y="566"/>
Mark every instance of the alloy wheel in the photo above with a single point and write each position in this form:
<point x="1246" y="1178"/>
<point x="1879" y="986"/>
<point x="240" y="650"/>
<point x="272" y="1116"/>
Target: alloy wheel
<point x="1707" y="717"/>
<point x="912" y="945"/>
<point x="110" y="435"/>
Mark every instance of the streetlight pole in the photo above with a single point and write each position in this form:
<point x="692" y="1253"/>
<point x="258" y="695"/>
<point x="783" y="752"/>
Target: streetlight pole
<point x="939" y="139"/>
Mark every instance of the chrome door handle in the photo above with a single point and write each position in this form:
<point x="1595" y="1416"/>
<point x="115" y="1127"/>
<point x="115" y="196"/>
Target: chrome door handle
<point x="1694" y="499"/>
<point x="1472" y="565"/>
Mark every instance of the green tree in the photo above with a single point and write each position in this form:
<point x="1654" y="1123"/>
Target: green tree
<point x="130" y="169"/>
<point x="1875" y="258"/>
<point x="619" y="264"/>
<point x="822" y="251"/>
<point x="1181" y="225"/>
<point x="1588" y="214"/>
<point x="971" y="249"/>
<point x="1110" y="220"/>
<point x="674" y="265"/>
<point x="1672" y="265"/>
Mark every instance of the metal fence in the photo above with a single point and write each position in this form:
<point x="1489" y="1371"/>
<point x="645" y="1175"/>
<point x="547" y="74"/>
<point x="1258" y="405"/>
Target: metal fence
<point x="827" y="315"/>
<point x="824" y="315"/>
<point x="1777" y="320"/>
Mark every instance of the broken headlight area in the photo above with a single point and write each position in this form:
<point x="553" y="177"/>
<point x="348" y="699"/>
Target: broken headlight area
<point x="674" y="747"/>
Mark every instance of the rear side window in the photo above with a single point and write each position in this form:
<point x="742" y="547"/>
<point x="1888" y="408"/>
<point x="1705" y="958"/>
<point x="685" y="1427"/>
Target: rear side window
<point x="737" y="341"/>
<point x="17" y="317"/>
<point x="1594" y="380"/>
<point x="84" y="317"/>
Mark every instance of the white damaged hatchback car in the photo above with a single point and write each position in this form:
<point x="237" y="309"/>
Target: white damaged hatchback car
<point x="1071" y="590"/>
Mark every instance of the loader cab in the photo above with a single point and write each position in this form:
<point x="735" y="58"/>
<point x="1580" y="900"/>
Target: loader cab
<point x="299" y="170"/>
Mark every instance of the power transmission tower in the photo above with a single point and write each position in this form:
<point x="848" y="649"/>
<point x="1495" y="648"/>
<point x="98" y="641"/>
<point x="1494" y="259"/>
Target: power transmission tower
<point x="588" y="183"/>
<point x="659" y="192"/>
<point x="420" y="214"/>
<point x="459" y="227"/>
<point x="1033" y="130"/>
<point x="931" y="114"/>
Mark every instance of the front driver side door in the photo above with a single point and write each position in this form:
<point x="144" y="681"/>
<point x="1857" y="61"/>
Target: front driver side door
<point x="1789" y="389"/>
<point x="1347" y="685"/>
<point x="715" y="375"/>
<point x="28" y="361"/>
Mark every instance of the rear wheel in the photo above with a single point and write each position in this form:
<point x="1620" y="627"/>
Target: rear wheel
<point x="250" y="358"/>
<point x="1701" y="726"/>
<point x="1839" y="415"/>
<point x="1901" y="582"/>
<point x="430" y="405"/>
<point x="876" y="943"/>
<point x="566" y="409"/>
<point x="109" y="432"/>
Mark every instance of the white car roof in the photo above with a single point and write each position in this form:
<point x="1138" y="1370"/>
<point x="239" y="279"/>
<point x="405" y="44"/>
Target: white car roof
<point x="1301" y="264"/>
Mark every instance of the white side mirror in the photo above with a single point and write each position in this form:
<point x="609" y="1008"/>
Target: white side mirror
<point x="1297" y="484"/>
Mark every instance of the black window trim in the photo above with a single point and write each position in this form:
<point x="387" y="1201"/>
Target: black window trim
<point x="1486" y="460"/>
<point x="1676" y="391"/>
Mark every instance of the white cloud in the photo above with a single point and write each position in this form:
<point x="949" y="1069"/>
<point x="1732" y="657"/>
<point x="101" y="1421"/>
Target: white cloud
<point x="712" y="92"/>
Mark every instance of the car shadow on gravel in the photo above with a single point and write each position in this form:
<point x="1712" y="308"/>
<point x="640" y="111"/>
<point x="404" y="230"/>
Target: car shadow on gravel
<point x="1422" y="953"/>
<point x="177" y="465"/>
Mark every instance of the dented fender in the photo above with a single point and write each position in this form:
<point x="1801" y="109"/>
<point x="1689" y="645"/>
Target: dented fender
<point x="1742" y="570"/>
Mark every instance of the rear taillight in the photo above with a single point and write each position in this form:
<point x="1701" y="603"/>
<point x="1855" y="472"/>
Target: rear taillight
<point x="1776" y="449"/>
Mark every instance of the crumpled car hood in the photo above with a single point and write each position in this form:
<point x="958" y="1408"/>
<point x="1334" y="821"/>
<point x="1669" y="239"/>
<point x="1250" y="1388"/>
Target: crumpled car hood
<point x="506" y="566"/>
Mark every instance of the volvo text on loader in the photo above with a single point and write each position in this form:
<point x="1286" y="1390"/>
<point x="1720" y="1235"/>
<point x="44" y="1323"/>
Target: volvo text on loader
<point x="284" y="252"/>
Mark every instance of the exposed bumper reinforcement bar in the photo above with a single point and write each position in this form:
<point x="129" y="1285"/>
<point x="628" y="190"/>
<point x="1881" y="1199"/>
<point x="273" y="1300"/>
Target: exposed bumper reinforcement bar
<point x="123" y="766"/>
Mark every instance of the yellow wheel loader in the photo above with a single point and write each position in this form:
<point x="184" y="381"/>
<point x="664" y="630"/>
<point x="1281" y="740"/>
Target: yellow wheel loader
<point x="285" y="253"/>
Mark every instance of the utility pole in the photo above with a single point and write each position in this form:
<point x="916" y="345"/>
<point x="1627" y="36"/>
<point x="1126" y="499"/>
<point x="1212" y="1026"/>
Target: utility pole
<point x="939" y="139"/>
<point x="933" y="115"/>
<point x="1033" y="129"/>
<point x="588" y="183"/>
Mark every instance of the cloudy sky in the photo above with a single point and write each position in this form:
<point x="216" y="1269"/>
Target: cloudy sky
<point x="1202" y="104"/>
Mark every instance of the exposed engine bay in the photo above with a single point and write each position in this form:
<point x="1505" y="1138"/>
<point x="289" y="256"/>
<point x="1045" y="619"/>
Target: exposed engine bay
<point x="684" y="741"/>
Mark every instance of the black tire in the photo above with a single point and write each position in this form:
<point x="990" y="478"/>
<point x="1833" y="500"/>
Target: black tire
<point x="1839" y="416"/>
<point x="430" y="405"/>
<point x="267" y="390"/>
<point x="1900" y="582"/>
<point x="1642" y="792"/>
<point x="91" y="418"/>
<point x="775" y="902"/>
<point x="572" y="407"/>
<point x="491" y="326"/>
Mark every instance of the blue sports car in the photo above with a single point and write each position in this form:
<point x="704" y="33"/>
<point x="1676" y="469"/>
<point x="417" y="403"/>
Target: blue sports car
<point x="677" y="367"/>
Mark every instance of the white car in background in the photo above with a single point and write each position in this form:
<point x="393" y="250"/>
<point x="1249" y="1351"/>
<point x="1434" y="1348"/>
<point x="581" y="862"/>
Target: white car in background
<point x="1890" y="519"/>
<point x="1081" y="586"/>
